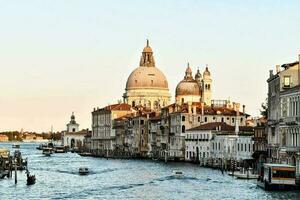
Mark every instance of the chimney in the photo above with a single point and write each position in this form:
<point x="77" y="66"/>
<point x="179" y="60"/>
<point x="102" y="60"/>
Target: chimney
<point x="271" y="73"/>
<point x="244" y="109"/>
<point x="277" y="69"/>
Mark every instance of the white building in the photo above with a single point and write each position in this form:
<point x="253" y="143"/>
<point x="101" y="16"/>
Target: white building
<point x="103" y="134"/>
<point x="197" y="141"/>
<point x="72" y="137"/>
<point x="230" y="143"/>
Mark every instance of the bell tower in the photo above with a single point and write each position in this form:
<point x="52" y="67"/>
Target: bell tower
<point x="206" y="87"/>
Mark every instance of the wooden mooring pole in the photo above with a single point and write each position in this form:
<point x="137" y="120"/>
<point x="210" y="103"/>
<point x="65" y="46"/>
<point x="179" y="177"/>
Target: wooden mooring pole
<point x="16" y="178"/>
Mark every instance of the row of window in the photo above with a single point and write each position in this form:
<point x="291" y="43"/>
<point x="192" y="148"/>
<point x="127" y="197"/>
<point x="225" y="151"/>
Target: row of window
<point x="192" y="155"/>
<point x="240" y="147"/>
<point x="197" y="136"/>
<point x="183" y="118"/>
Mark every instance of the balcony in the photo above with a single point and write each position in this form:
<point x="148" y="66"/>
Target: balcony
<point x="291" y="120"/>
<point x="292" y="149"/>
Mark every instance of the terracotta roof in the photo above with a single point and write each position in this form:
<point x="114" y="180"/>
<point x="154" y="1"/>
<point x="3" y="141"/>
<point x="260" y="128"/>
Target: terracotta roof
<point x="208" y="110"/>
<point x="221" y="126"/>
<point x="119" y="106"/>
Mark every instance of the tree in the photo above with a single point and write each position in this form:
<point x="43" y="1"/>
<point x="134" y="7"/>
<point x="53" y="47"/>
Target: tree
<point x="264" y="109"/>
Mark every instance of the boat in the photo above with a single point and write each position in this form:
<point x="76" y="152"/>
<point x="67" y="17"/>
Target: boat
<point x="41" y="146"/>
<point x="47" y="151"/>
<point x="246" y="175"/>
<point x="59" y="149"/>
<point x="177" y="174"/>
<point x="277" y="177"/>
<point x="16" y="146"/>
<point x="30" y="178"/>
<point x="83" y="170"/>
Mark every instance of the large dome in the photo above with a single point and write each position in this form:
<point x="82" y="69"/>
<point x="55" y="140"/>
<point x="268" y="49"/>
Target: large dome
<point x="147" y="77"/>
<point x="188" y="87"/>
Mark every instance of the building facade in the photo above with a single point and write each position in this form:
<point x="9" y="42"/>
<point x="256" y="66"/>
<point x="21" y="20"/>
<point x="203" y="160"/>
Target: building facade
<point x="283" y="115"/>
<point x="103" y="134"/>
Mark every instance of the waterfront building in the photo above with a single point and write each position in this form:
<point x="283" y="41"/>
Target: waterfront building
<point x="103" y="134"/>
<point x="72" y="137"/>
<point x="3" y="138"/>
<point x="147" y="86"/>
<point x="284" y="115"/>
<point x="260" y="142"/>
<point x="197" y="141"/>
<point x="289" y="127"/>
<point x="72" y="126"/>
<point x="87" y="142"/>
<point x="231" y="143"/>
<point x="176" y="119"/>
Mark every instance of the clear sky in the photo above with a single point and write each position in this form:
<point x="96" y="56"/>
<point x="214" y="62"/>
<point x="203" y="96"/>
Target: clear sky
<point x="59" y="56"/>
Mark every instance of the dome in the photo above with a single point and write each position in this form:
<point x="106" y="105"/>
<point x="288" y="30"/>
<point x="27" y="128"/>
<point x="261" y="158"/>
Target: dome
<point x="188" y="87"/>
<point x="147" y="77"/>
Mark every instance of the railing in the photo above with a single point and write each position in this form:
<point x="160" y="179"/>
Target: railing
<point x="292" y="149"/>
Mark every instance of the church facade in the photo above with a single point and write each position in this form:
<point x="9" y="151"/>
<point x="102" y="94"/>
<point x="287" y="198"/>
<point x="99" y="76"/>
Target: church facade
<point x="147" y="86"/>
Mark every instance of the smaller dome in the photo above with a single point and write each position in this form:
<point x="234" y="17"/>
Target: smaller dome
<point x="188" y="87"/>
<point x="206" y="72"/>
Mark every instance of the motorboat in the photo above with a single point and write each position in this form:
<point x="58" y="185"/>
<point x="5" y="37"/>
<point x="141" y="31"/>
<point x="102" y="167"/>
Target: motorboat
<point x="16" y="146"/>
<point x="177" y="174"/>
<point x="59" y="149"/>
<point x="83" y="170"/>
<point x="47" y="151"/>
<point x="247" y="175"/>
<point x="277" y="177"/>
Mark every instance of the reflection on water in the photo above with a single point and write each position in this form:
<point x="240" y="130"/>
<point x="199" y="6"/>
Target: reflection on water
<point x="58" y="178"/>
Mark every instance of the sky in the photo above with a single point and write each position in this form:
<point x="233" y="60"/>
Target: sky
<point x="64" y="56"/>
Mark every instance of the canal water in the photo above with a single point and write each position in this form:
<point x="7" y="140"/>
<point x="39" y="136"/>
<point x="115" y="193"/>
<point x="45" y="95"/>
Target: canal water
<point x="57" y="178"/>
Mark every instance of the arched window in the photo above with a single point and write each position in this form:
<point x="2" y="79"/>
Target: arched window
<point x="183" y="129"/>
<point x="183" y="118"/>
<point x="182" y="100"/>
<point x="133" y="104"/>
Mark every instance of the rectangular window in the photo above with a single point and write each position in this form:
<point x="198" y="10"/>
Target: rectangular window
<point x="287" y="81"/>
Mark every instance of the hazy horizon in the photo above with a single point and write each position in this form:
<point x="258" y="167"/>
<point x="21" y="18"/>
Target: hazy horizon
<point x="59" y="57"/>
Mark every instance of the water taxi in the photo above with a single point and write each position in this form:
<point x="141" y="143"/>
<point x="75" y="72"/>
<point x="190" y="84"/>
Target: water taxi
<point x="177" y="174"/>
<point x="83" y="170"/>
<point x="59" y="149"/>
<point x="47" y="151"/>
<point x="16" y="146"/>
<point x="277" y="177"/>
